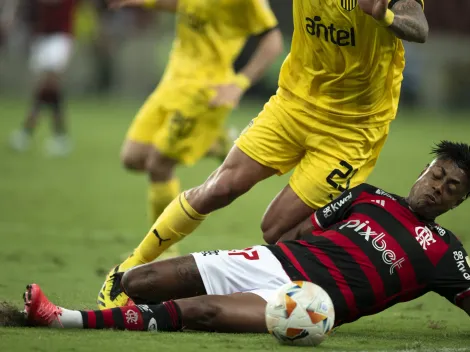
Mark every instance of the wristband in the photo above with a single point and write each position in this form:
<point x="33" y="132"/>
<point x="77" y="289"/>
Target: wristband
<point x="242" y="81"/>
<point x="388" y="19"/>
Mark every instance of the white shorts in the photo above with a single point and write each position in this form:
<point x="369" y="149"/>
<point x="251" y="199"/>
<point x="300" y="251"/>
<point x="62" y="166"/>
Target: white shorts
<point x="51" y="52"/>
<point x="255" y="270"/>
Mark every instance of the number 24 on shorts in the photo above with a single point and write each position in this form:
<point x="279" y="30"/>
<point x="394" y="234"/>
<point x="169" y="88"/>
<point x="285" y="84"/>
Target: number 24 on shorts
<point x="247" y="253"/>
<point x="347" y="176"/>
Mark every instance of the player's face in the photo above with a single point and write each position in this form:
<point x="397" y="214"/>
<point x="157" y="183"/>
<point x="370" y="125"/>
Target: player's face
<point x="441" y="187"/>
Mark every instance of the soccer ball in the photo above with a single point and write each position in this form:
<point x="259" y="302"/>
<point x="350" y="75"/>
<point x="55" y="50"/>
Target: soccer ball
<point x="300" y="313"/>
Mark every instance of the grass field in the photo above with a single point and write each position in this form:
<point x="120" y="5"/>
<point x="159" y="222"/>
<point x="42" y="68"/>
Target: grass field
<point x="65" y="222"/>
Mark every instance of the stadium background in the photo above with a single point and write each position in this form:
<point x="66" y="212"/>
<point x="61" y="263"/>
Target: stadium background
<point x="65" y="222"/>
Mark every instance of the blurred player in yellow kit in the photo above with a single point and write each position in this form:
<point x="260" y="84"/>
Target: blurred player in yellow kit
<point x="338" y="92"/>
<point x="184" y="117"/>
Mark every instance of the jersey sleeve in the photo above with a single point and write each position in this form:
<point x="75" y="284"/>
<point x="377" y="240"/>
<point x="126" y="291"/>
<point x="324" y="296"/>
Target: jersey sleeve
<point x="453" y="275"/>
<point x="336" y="210"/>
<point x="258" y="17"/>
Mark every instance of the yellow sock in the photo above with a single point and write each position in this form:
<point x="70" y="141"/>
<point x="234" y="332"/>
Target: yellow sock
<point x="177" y="221"/>
<point x="160" y="194"/>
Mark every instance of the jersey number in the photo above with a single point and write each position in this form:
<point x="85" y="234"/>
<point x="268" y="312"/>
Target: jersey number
<point x="348" y="175"/>
<point x="247" y="253"/>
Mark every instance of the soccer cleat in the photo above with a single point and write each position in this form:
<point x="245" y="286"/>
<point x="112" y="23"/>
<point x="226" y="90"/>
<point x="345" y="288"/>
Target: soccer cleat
<point x="59" y="146"/>
<point x="111" y="294"/>
<point x="39" y="310"/>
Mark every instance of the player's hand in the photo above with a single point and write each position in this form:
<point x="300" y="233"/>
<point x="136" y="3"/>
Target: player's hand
<point x="375" y="8"/>
<point x="117" y="4"/>
<point x="227" y="95"/>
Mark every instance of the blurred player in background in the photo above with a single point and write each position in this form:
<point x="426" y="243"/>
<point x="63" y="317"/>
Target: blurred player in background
<point x="51" y="23"/>
<point x="184" y="117"/>
<point x="338" y="92"/>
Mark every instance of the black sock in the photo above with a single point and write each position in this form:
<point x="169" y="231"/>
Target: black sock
<point x="161" y="317"/>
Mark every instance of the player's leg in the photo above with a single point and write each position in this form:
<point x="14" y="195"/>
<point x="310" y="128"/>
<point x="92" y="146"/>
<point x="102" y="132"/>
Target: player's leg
<point x="338" y="158"/>
<point x="50" y="57"/>
<point x="171" y="139"/>
<point x="20" y="139"/>
<point x="237" y="175"/>
<point x="139" y="154"/>
<point x="237" y="313"/>
<point x="263" y="150"/>
<point x="207" y="276"/>
<point x="57" y="54"/>
<point x="279" y="218"/>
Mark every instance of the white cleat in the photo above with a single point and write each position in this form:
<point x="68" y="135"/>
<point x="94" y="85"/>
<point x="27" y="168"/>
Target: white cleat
<point x="59" y="146"/>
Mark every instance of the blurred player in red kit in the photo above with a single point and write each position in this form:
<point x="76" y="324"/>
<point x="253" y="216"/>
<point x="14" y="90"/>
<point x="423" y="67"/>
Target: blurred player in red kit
<point x="51" y="23"/>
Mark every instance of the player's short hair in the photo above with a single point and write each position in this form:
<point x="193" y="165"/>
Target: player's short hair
<point x="459" y="153"/>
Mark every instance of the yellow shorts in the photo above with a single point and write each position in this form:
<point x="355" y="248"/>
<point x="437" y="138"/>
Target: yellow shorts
<point x="327" y="159"/>
<point x="180" y="127"/>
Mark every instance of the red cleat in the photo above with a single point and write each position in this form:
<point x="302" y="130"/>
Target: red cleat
<point x="39" y="310"/>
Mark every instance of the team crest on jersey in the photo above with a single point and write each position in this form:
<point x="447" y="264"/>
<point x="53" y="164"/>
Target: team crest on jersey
<point x="348" y="5"/>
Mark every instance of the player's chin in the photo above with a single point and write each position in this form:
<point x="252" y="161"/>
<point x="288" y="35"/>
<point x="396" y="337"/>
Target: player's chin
<point x="425" y="208"/>
<point x="11" y="316"/>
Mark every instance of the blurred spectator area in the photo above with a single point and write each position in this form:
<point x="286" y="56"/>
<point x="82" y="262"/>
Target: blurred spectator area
<point x="124" y="52"/>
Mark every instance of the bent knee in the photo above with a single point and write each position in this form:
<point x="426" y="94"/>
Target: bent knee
<point x="135" y="281"/>
<point x="134" y="158"/>
<point x="271" y="235"/>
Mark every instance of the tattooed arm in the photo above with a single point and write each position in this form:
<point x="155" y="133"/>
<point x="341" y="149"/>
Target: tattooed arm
<point x="405" y="18"/>
<point x="410" y="22"/>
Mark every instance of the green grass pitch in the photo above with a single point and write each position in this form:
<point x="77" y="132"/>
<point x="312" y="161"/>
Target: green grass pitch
<point x="65" y="222"/>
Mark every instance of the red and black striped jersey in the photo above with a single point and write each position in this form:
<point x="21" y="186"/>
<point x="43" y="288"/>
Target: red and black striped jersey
<point x="51" y="16"/>
<point x="369" y="251"/>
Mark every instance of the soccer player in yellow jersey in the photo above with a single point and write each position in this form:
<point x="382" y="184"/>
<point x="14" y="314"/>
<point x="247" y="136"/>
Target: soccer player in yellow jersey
<point x="184" y="116"/>
<point x="338" y="92"/>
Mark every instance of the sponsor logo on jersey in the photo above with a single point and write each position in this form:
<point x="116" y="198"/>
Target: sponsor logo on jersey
<point x="378" y="243"/>
<point x="460" y="261"/>
<point x="206" y="253"/>
<point x="378" y="201"/>
<point x="385" y="194"/>
<point x="329" y="33"/>
<point x="348" y="5"/>
<point x="440" y="231"/>
<point x="424" y="237"/>
<point x="335" y="206"/>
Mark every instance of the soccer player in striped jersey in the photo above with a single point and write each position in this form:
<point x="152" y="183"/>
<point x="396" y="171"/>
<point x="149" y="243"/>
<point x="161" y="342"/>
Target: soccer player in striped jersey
<point x="52" y="25"/>
<point x="369" y="249"/>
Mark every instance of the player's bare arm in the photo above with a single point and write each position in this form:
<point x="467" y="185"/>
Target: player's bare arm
<point x="269" y="48"/>
<point x="409" y="23"/>
<point x="406" y="18"/>
<point x="162" y="5"/>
